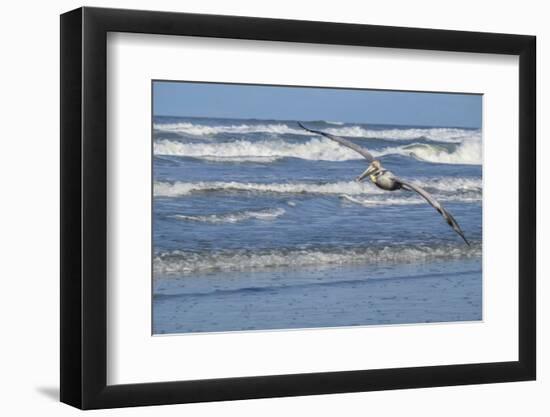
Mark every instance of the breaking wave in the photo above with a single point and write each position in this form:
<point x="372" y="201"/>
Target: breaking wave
<point x="176" y="189"/>
<point x="187" y="262"/>
<point x="414" y="199"/>
<point x="314" y="149"/>
<point x="468" y="152"/>
<point x="445" y="185"/>
<point x="357" y="131"/>
<point x="439" y="134"/>
<point x="235" y="217"/>
<point x="204" y="130"/>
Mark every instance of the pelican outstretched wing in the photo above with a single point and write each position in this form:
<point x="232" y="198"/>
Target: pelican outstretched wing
<point x="366" y="154"/>
<point x="435" y="204"/>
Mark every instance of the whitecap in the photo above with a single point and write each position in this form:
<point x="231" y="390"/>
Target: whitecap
<point x="314" y="149"/>
<point x="436" y="185"/>
<point x="176" y="189"/>
<point x="468" y="152"/>
<point x="234" y="217"/>
<point x="187" y="262"/>
<point x="440" y="134"/>
<point x="205" y="130"/>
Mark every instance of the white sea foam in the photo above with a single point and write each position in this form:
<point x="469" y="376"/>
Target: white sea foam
<point x="314" y="149"/>
<point x="204" y="130"/>
<point x="444" y="185"/>
<point x="183" y="262"/>
<point x="468" y="152"/>
<point x="443" y="134"/>
<point x="407" y="201"/>
<point x="435" y="134"/>
<point x="235" y="217"/>
<point x="166" y="189"/>
<point x="451" y="185"/>
<point x="242" y="159"/>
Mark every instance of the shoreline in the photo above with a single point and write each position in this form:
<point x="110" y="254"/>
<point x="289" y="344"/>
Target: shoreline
<point x="445" y="291"/>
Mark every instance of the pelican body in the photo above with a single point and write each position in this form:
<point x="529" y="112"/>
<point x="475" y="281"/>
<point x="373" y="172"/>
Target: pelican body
<point x="380" y="177"/>
<point x="387" y="181"/>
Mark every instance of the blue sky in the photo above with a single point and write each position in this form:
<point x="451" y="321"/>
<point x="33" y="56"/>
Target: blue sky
<point x="299" y="103"/>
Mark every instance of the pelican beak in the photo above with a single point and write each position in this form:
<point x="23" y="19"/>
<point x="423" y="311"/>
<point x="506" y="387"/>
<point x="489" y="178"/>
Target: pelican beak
<point x="370" y="170"/>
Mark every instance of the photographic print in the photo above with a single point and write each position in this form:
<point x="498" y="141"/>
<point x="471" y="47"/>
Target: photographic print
<point x="283" y="207"/>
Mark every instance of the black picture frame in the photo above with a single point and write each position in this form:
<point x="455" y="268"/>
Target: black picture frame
<point x="84" y="207"/>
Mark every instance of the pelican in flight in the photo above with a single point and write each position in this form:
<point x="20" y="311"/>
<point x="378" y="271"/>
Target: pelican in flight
<point x="386" y="180"/>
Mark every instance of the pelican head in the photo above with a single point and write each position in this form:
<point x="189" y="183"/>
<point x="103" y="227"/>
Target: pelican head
<point x="373" y="169"/>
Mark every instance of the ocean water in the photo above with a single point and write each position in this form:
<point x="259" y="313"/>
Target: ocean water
<point x="259" y="225"/>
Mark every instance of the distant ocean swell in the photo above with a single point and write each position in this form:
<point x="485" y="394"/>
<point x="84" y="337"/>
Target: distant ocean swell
<point x="188" y="262"/>
<point x="317" y="149"/>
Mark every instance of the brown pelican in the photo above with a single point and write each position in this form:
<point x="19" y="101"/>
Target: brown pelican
<point x="386" y="180"/>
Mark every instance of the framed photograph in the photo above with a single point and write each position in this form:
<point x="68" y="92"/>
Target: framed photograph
<point x="258" y="208"/>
